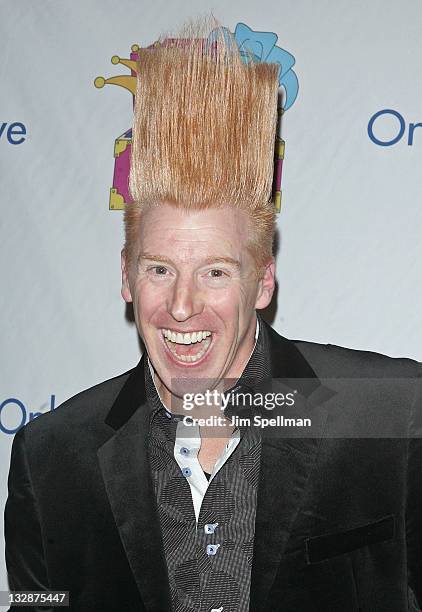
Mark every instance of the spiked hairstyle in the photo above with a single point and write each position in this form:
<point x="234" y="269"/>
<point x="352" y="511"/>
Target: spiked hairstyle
<point x="204" y="132"/>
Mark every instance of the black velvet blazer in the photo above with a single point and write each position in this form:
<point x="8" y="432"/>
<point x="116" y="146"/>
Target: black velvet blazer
<point x="339" y="514"/>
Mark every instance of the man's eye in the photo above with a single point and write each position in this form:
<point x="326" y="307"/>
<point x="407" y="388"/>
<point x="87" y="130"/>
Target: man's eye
<point x="159" y="270"/>
<point x="216" y="273"/>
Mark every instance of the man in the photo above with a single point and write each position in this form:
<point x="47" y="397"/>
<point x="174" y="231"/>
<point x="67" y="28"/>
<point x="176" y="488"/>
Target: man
<point x="119" y="499"/>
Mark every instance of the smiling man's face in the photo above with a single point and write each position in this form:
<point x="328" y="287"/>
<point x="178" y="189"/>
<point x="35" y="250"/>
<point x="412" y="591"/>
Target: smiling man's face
<point x="194" y="291"/>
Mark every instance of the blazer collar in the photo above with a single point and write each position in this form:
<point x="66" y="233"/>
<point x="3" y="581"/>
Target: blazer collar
<point x="131" y="397"/>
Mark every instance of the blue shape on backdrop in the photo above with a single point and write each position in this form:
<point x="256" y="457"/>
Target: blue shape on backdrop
<point x="261" y="47"/>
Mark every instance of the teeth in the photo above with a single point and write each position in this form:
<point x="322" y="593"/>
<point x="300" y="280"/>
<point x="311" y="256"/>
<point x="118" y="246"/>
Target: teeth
<point x="188" y="338"/>
<point x="175" y="338"/>
<point x="191" y="358"/>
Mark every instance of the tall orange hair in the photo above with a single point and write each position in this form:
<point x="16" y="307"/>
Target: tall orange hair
<point x="204" y="132"/>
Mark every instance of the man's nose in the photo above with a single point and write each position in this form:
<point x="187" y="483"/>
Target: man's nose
<point x="185" y="300"/>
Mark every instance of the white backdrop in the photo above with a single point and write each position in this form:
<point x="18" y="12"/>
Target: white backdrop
<point x="350" y="262"/>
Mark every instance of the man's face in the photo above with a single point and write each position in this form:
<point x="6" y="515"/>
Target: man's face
<point x="194" y="291"/>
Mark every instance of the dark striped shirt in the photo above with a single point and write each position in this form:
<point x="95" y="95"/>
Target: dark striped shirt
<point x="209" y="556"/>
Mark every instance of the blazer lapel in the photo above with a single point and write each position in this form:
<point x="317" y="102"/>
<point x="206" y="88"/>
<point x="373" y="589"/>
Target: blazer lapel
<point x="125" y="468"/>
<point x="286" y="464"/>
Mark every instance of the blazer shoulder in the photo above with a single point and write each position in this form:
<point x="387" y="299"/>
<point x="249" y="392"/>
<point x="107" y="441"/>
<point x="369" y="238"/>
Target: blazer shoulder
<point x="330" y="360"/>
<point x="87" y="407"/>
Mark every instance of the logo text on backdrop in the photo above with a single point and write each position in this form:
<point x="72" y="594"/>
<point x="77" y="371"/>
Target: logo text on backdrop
<point x="13" y="132"/>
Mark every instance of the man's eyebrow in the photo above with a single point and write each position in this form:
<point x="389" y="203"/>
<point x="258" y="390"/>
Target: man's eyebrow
<point x="206" y="262"/>
<point x="227" y="260"/>
<point x="151" y="257"/>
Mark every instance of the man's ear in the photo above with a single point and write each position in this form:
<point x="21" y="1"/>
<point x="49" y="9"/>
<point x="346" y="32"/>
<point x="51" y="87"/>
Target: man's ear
<point x="266" y="286"/>
<point x="125" y="291"/>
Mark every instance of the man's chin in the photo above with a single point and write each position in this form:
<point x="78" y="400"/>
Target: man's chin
<point x="180" y="386"/>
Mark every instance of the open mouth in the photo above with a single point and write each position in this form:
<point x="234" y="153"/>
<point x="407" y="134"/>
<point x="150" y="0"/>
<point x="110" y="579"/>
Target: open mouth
<point x="188" y="347"/>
